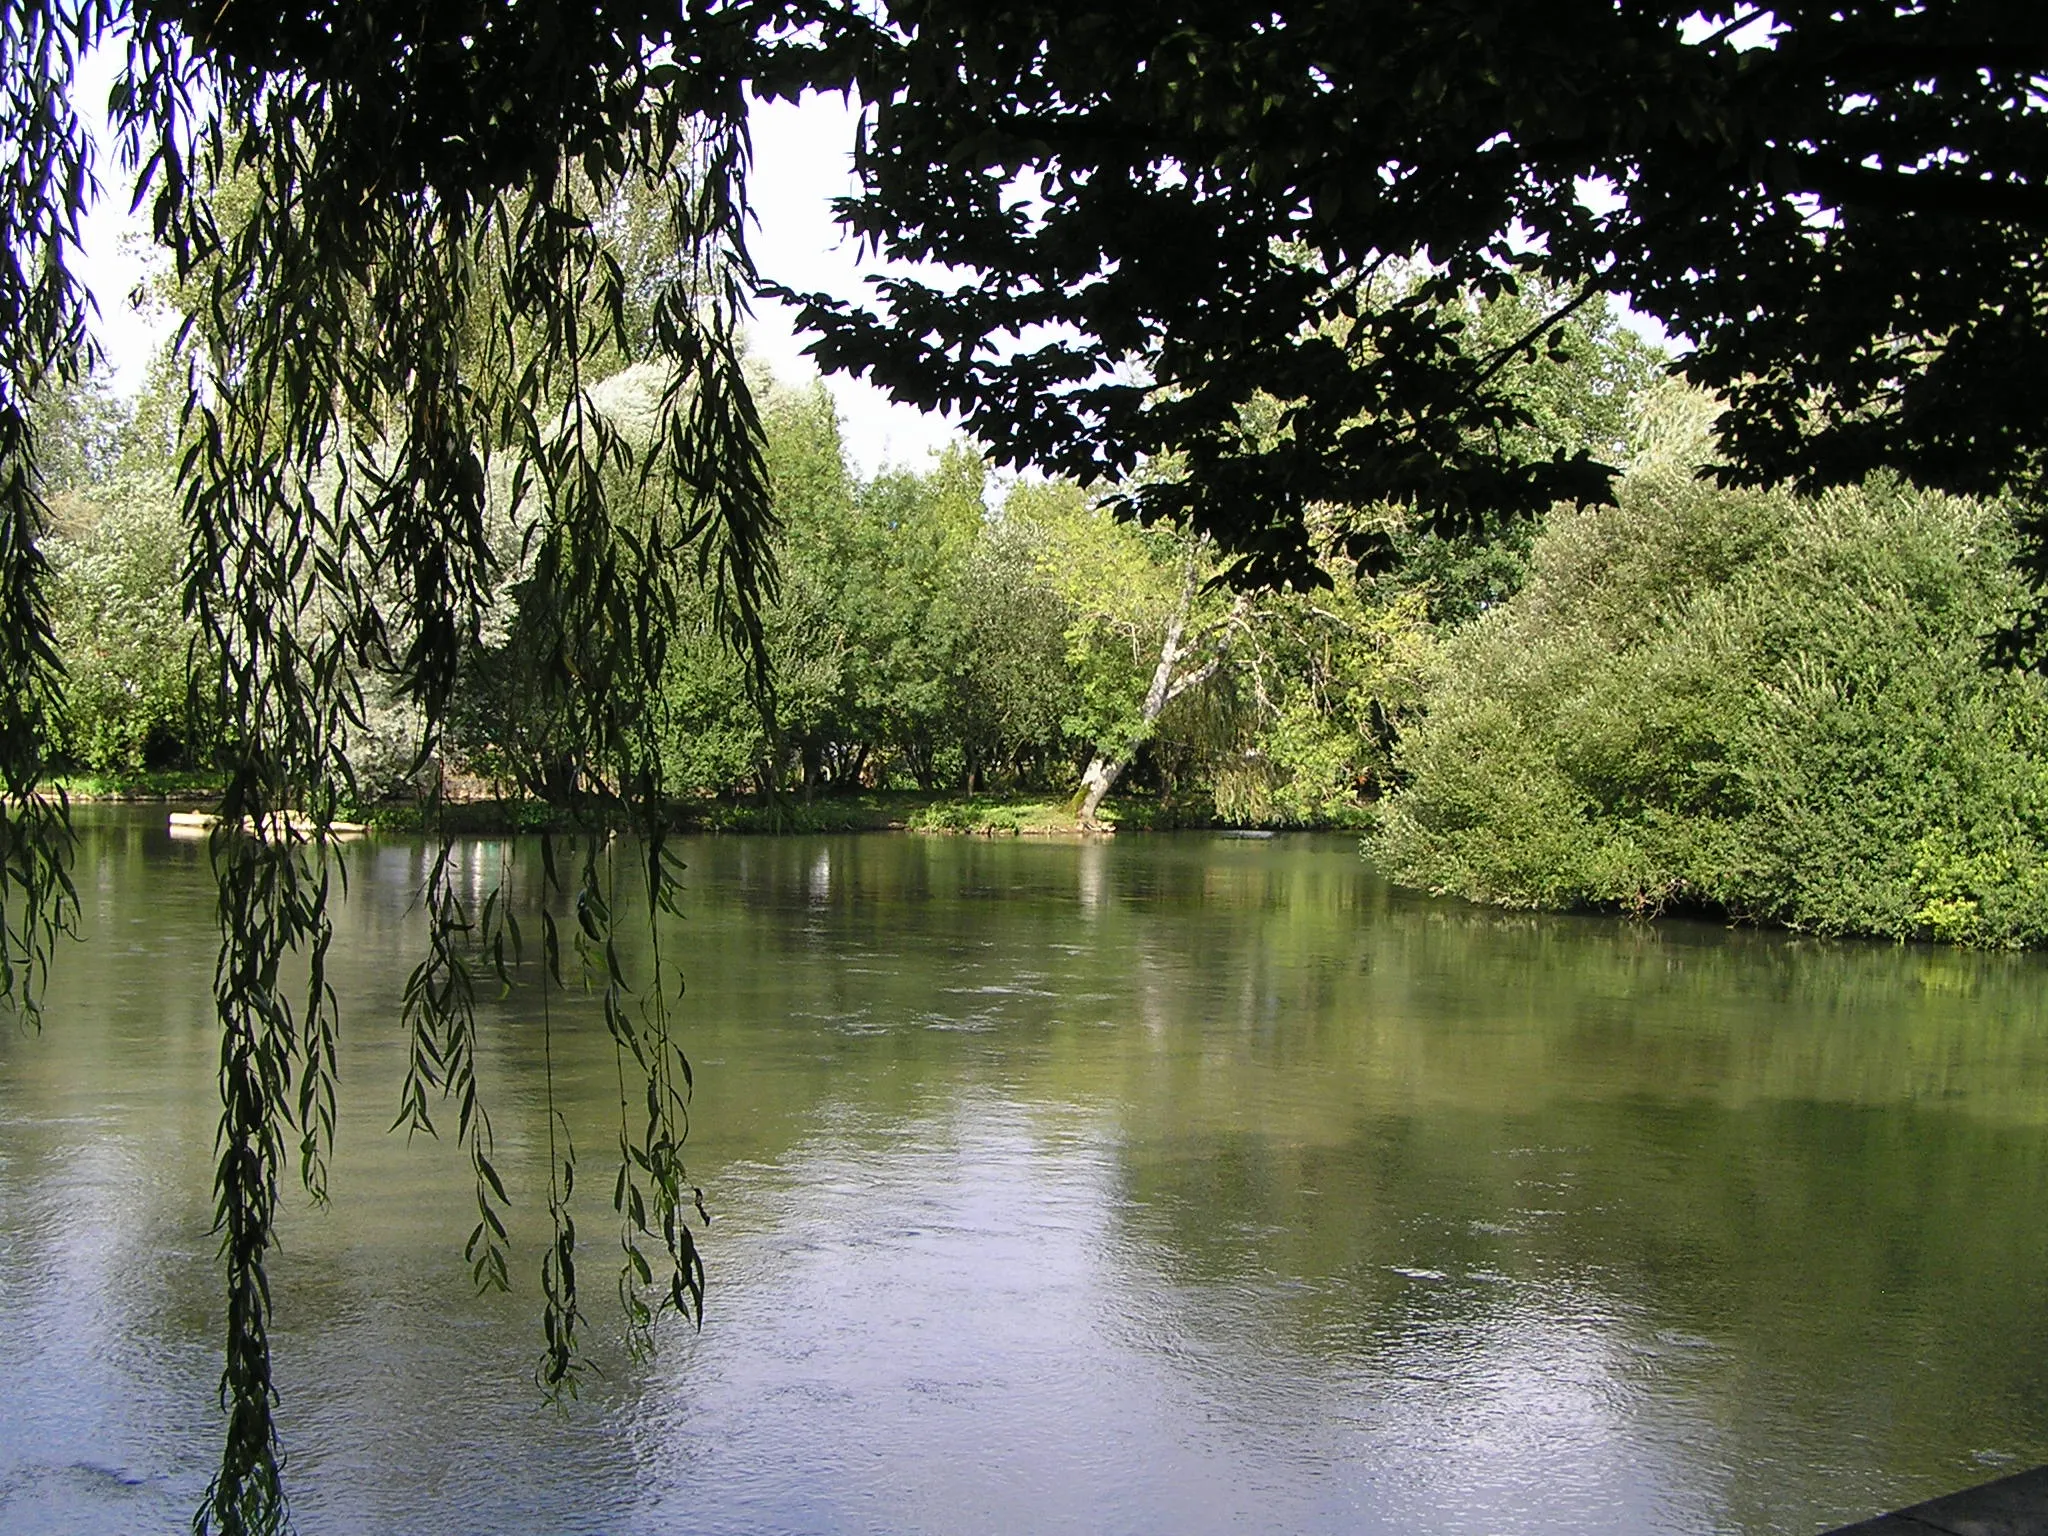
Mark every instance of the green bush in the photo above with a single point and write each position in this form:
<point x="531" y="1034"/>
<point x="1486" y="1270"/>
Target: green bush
<point x="1770" y="707"/>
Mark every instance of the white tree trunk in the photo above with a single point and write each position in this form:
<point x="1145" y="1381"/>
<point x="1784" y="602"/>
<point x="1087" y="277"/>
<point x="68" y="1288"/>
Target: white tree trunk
<point x="1096" y="783"/>
<point x="1168" y="683"/>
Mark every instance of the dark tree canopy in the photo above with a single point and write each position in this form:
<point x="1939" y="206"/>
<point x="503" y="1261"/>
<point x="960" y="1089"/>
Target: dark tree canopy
<point x="1249" y="237"/>
<point x="1158" y="212"/>
<point x="1847" y="223"/>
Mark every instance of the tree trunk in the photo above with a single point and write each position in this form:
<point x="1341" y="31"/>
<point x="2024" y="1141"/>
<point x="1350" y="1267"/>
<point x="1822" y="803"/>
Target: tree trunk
<point x="1096" y="783"/>
<point x="1104" y="769"/>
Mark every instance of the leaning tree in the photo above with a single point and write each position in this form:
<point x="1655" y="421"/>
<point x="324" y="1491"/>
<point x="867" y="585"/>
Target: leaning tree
<point x="1159" y="224"/>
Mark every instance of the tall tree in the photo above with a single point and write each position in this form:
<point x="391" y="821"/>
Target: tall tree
<point x="1149" y="625"/>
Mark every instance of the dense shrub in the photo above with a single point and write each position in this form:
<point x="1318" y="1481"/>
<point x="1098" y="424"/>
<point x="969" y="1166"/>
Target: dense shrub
<point x="1772" y="707"/>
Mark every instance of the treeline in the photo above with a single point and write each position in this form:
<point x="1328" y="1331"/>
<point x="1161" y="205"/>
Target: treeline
<point x="929" y="630"/>
<point x="1750" y="704"/>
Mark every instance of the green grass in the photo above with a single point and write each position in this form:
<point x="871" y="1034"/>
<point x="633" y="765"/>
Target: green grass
<point x="995" y="816"/>
<point x="981" y="815"/>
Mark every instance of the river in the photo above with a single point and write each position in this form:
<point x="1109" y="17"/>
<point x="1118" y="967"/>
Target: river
<point x="1177" y="1184"/>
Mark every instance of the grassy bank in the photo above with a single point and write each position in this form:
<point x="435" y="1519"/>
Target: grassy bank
<point x="983" y="815"/>
<point x="978" y="815"/>
<point x="183" y="785"/>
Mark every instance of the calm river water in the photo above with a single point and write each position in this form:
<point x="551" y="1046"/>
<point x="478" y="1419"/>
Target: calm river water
<point x="1181" y="1184"/>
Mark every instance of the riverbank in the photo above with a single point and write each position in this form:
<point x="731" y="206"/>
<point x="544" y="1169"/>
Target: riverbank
<point x="983" y="815"/>
<point x="977" y="815"/>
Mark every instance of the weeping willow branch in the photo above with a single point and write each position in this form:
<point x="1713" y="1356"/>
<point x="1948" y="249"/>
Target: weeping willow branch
<point x="272" y="897"/>
<point x="44" y="346"/>
<point x="393" y="333"/>
<point x="440" y="1022"/>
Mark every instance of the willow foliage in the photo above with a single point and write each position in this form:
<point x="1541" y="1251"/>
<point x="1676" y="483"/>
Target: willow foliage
<point x="42" y="345"/>
<point x="394" y="318"/>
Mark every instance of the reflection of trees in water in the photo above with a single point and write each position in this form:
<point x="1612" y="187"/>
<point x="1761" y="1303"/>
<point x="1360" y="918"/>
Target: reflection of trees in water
<point x="1793" y="1190"/>
<point x="1746" y="1143"/>
<point x="1813" y="1284"/>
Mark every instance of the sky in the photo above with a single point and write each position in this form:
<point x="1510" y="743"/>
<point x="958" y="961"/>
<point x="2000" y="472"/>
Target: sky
<point x="802" y="160"/>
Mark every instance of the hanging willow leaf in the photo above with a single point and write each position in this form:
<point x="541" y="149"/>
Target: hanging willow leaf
<point x="392" y="239"/>
<point x="43" y="347"/>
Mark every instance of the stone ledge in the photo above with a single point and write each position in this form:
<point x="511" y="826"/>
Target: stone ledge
<point x="2012" y="1506"/>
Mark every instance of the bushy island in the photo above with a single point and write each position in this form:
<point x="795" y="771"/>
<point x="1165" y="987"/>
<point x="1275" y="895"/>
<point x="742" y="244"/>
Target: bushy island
<point x="1754" y="705"/>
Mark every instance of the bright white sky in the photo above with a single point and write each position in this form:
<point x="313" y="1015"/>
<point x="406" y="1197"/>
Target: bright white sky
<point x="802" y="159"/>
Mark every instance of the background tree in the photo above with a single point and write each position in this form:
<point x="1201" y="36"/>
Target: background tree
<point x="1013" y="690"/>
<point x="1329" y="681"/>
<point x="1149" y="625"/>
<point x="1584" y="391"/>
<point x="119" y="627"/>
<point x="716" y="729"/>
<point x="906" y="598"/>
<point x="1762" y="706"/>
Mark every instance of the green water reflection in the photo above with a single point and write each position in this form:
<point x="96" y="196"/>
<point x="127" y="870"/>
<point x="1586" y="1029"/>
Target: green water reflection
<point x="1184" y="1184"/>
